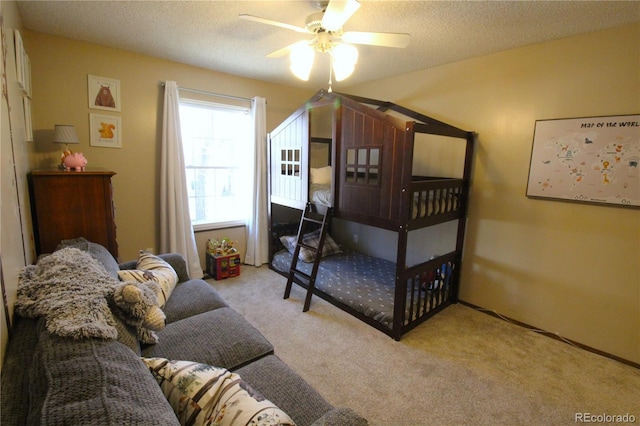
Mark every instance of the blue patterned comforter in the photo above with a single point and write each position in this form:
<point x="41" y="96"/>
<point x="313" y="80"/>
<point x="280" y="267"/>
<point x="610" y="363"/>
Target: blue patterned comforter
<point x="365" y="283"/>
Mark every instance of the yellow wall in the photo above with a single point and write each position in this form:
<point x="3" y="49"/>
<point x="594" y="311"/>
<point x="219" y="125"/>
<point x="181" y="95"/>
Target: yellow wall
<point x="563" y="267"/>
<point x="60" y="68"/>
<point x="568" y="268"/>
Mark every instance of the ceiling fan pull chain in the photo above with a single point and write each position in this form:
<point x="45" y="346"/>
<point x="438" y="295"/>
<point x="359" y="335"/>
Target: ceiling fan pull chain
<point x="330" y="74"/>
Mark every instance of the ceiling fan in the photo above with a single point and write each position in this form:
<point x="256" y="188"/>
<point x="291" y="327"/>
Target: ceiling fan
<point x="328" y="37"/>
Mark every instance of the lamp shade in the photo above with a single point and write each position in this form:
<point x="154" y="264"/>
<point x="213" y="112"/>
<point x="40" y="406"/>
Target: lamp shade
<point x="65" y="133"/>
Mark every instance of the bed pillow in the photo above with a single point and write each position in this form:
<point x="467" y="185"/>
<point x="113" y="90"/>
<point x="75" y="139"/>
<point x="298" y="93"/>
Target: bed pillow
<point x="321" y="176"/>
<point x="151" y="268"/>
<point x="311" y="239"/>
<point x="201" y="395"/>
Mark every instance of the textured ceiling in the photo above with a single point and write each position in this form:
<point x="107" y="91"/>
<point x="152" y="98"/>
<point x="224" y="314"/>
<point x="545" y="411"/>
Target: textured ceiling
<point x="210" y="35"/>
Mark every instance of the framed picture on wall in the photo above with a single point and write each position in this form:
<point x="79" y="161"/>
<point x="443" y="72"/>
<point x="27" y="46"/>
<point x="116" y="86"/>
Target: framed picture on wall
<point x="20" y="54"/>
<point x="590" y="159"/>
<point x="27" y="75"/>
<point x="105" y="130"/>
<point x="104" y="93"/>
<point x="28" y="129"/>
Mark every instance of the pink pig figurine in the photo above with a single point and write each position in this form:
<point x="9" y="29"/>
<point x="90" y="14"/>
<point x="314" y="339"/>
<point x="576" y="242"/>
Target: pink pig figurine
<point x="75" y="161"/>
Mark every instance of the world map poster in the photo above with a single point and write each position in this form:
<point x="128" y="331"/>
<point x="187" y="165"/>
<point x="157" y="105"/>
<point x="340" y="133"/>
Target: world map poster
<point x="592" y="159"/>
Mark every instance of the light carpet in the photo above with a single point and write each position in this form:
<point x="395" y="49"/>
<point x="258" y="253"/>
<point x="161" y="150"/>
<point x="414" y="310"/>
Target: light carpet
<point x="459" y="367"/>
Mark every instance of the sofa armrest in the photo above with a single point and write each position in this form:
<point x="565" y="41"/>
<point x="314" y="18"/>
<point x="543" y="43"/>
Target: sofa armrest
<point x="176" y="261"/>
<point x="341" y="417"/>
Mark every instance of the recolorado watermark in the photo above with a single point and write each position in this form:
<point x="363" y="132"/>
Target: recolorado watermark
<point x="604" y="418"/>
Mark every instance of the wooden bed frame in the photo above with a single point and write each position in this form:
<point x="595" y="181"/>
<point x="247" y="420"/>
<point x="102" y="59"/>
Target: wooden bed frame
<point x="372" y="147"/>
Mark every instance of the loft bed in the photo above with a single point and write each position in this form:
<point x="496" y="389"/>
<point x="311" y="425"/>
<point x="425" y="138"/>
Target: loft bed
<point x="367" y="169"/>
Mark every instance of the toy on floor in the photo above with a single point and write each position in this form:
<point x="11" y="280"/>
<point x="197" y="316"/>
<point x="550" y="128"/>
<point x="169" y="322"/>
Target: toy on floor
<point x="221" y="248"/>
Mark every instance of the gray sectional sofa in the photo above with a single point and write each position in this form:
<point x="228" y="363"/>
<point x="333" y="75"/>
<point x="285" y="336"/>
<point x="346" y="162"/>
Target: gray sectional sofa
<point x="47" y="379"/>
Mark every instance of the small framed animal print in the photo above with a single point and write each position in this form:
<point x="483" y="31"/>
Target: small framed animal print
<point x="105" y="130"/>
<point x="104" y="93"/>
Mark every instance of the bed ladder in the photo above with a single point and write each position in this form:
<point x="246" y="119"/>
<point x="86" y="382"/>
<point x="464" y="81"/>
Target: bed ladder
<point x="310" y="217"/>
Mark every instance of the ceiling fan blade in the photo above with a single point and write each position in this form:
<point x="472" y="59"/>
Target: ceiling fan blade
<point x="274" y="23"/>
<point x="285" y="50"/>
<point x="400" y="40"/>
<point x="337" y="13"/>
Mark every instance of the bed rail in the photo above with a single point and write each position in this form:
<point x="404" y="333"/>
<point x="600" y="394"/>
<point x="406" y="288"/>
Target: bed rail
<point x="429" y="287"/>
<point x="435" y="200"/>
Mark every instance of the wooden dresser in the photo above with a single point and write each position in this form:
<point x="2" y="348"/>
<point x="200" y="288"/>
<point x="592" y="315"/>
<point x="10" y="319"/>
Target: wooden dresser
<point x="68" y="205"/>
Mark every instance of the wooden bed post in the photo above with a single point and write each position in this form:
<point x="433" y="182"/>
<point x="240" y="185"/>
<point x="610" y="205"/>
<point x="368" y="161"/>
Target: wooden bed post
<point x="400" y="297"/>
<point x="464" y="212"/>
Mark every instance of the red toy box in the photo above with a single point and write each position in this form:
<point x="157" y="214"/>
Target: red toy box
<point x="221" y="267"/>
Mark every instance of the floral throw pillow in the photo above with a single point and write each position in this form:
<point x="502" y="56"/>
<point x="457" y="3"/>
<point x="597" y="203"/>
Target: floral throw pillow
<point x="204" y="395"/>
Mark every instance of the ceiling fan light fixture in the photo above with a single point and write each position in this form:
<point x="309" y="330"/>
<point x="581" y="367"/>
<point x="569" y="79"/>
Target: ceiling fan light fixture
<point x="301" y="57"/>
<point x="342" y="71"/>
<point x="346" y="53"/>
<point x="344" y="58"/>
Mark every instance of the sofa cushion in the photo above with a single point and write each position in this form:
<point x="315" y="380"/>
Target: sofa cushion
<point x="93" y="381"/>
<point x="191" y="298"/>
<point x="152" y="268"/>
<point x="285" y="388"/>
<point x="15" y="370"/>
<point x="221" y="337"/>
<point x="202" y="394"/>
<point x="97" y="251"/>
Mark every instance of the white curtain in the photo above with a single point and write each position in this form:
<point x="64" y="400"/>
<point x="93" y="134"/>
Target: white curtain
<point x="257" y="228"/>
<point x="176" y="232"/>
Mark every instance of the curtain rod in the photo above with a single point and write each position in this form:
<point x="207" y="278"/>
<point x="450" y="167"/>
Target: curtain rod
<point x="204" y="92"/>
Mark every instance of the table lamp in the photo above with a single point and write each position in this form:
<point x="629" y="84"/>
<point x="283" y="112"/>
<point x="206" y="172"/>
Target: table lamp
<point x="66" y="134"/>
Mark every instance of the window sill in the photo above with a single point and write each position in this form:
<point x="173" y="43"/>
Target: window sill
<point x="220" y="225"/>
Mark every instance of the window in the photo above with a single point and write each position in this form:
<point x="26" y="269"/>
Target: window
<point x="363" y="166"/>
<point x="290" y="162"/>
<point x="217" y="141"/>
